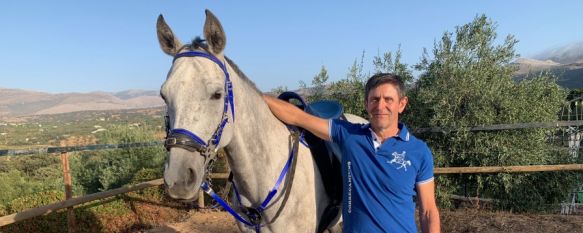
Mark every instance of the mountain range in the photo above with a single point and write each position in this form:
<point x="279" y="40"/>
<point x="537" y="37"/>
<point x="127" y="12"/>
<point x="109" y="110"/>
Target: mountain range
<point x="568" y="75"/>
<point x="16" y="102"/>
<point x="565" y="62"/>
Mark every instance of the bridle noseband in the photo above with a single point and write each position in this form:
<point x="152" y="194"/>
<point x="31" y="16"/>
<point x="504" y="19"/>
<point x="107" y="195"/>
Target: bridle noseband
<point x="187" y="140"/>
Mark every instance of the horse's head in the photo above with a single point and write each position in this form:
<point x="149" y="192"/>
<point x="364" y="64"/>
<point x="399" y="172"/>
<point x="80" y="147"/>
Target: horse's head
<point x="199" y="103"/>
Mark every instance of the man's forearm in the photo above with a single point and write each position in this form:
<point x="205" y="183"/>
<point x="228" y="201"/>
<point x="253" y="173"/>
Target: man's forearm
<point x="430" y="222"/>
<point x="292" y="115"/>
<point x="284" y="111"/>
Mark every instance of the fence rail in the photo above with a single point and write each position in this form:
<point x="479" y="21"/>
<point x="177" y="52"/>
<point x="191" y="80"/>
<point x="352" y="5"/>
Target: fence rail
<point x="30" y="213"/>
<point x="34" y="212"/>
<point x="502" y="127"/>
<point x="509" y="169"/>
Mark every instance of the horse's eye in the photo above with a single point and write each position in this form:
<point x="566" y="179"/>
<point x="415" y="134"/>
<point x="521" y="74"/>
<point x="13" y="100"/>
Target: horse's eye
<point x="216" y="95"/>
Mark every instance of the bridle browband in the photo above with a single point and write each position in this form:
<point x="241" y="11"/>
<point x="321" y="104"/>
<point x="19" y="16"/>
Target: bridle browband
<point x="187" y="140"/>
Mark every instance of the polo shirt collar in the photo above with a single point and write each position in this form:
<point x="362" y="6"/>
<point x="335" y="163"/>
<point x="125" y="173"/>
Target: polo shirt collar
<point x="404" y="134"/>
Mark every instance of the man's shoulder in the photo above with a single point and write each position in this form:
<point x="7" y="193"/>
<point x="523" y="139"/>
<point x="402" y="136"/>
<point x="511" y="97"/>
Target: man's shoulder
<point x="417" y="143"/>
<point x="349" y="125"/>
<point x="341" y="130"/>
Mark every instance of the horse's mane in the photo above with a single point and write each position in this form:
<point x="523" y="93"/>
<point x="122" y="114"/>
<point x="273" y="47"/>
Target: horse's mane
<point x="200" y="44"/>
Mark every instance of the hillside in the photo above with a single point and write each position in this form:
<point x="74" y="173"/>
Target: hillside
<point x="566" y="62"/>
<point x="567" y="54"/>
<point x="569" y="75"/>
<point x="16" y="102"/>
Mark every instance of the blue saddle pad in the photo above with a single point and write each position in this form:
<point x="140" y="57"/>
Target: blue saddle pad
<point x="326" y="109"/>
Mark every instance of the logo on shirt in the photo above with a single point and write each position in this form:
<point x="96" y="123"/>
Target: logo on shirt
<point x="399" y="159"/>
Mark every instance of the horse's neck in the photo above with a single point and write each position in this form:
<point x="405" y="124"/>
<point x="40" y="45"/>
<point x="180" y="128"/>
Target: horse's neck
<point x="260" y="144"/>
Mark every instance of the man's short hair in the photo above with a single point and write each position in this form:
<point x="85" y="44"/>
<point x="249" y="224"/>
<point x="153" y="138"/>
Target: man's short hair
<point x="382" y="78"/>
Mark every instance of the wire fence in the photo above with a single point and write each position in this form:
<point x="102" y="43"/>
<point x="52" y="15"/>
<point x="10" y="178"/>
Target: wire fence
<point x="49" y="150"/>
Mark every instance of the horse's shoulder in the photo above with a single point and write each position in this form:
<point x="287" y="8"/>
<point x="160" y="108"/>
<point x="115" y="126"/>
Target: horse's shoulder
<point x="355" y="119"/>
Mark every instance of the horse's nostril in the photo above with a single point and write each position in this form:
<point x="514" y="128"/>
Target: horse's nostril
<point x="191" y="175"/>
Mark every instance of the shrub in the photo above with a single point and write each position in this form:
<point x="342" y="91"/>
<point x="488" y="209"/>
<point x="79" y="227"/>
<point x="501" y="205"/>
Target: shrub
<point x="102" y="170"/>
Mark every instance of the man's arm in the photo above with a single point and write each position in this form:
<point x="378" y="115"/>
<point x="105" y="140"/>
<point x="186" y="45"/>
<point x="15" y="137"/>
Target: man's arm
<point x="292" y="115"/>
<point x="428" y="213"/>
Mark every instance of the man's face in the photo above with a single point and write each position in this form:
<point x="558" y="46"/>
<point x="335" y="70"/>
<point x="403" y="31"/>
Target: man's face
<point x="383" y="106"/>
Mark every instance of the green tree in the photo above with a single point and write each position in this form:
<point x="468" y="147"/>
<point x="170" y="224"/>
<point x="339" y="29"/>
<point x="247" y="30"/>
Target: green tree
<point x="386" y="64"/>
<point x="319" y="86"/>
<point x="278" y="90"/>
<point x="350" y="90"/>
<point x="469" y="82"/>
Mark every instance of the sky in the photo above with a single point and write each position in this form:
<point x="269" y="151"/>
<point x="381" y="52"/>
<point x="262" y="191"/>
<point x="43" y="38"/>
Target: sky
<point x="84" y="46"/>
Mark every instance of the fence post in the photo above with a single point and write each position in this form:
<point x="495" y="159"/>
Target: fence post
<point x="68" y="191"/>
<point x="200" y="198"/>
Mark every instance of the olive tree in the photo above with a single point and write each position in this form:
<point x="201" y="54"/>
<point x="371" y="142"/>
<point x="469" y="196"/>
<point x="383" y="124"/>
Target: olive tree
<point x="468" y="81"/>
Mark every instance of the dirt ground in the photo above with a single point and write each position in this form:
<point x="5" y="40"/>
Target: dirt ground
<point x="460" y="221"/>
<point x="471" y="220"/>
<point x="199" y="222"/>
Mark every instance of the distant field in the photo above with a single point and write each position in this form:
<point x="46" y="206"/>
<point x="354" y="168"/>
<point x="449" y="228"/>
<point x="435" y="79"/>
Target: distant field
<point x="77" y="128"/>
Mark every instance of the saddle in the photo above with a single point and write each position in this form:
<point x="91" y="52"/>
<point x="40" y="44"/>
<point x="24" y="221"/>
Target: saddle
<point x="326" y="154"/>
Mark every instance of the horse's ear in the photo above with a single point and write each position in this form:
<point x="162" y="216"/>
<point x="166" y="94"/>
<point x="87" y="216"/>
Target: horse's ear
<point x="214" y="34"/>
<point x="168" y="42"/>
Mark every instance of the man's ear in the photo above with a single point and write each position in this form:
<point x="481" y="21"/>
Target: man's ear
<point x="403" y="103"/>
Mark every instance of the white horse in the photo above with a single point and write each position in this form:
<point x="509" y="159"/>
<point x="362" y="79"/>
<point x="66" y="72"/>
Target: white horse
<point x="258" y="145"/>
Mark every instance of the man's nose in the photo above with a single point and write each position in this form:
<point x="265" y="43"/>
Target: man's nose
<point x="381" y="103"/>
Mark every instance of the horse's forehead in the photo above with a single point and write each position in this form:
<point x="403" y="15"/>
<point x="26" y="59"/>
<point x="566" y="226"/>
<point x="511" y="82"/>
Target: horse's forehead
<point x="192" y="74"/>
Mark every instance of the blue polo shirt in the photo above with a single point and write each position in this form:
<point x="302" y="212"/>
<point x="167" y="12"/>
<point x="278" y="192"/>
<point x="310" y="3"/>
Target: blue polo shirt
<point x="379" y="184"/>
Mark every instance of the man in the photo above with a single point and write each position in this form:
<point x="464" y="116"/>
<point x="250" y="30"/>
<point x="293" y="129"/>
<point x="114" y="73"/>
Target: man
<point x="383" y="165"/>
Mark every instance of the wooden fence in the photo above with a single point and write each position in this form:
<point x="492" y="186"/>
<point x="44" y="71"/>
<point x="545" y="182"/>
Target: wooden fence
<point x="70" y="202"/>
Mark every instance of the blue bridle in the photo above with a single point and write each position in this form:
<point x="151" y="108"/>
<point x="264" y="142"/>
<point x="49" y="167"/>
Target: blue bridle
<point x="188" y="140"/>
<point x="185" y="139"/>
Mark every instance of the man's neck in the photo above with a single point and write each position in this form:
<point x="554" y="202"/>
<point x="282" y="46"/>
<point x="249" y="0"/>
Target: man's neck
<point x="384" y="134"/>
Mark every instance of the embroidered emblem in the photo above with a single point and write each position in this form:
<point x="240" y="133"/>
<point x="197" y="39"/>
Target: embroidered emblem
<point x="400" y="159"/>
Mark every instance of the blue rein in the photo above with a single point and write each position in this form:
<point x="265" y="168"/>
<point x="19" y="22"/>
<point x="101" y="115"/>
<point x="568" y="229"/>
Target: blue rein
<point x="253" y="214"/>
<point x="185" y="139"/>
